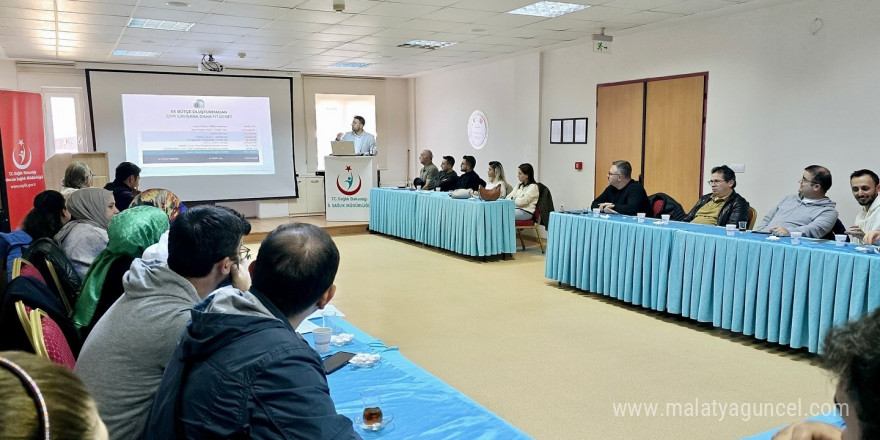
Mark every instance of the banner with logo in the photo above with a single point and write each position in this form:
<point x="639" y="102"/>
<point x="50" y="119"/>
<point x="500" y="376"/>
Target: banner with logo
<point x="22" y="145"/>
<point x="348" y="180"/>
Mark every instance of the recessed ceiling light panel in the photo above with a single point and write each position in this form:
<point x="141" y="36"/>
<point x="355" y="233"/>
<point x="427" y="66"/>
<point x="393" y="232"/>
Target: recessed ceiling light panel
<point x="134" y="53"/>
<point x="354" y="65"/>
<point x="165" y="25"/>
<point x="426" y="44"/>
<point x="548" y="9"/>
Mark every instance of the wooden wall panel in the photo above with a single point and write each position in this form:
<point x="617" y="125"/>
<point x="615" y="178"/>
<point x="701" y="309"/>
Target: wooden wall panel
<point x="673" y="138"/>
<point x="619" y="119"/>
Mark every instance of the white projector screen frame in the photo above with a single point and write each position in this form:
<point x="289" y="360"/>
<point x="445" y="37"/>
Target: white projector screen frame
<point x="105" y="93"/>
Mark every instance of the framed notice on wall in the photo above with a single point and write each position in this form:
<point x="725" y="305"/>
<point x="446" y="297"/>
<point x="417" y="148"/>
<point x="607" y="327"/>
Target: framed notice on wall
<point x="568" y="131"/>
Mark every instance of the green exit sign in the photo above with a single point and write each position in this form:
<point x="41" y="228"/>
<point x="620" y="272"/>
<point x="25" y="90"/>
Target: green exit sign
<point x="601" y="47"/>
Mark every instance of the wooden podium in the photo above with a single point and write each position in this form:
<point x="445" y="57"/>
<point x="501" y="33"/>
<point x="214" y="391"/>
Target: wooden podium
<point x="54" y="167"/>
<point x="348" y="180"/>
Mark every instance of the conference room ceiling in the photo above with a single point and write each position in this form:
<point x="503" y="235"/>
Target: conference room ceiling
<point x="307" y="36"/>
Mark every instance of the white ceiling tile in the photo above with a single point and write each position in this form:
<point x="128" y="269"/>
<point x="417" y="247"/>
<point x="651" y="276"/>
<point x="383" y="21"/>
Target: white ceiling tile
<point x="404" y="34"/>
<point x="520" y="32"/>
<point x="313" y="44"/>
<point x="131" y="39"/>
<point x="351" y="6"/>
<point x="154" y="33"/>
<point x="374" y="21"/>
<point x="365" y="48"/>
<point x="639" y="4"/>
<point x="30" y="33"/>
<point x="511" y="41"/>
<point x="105" y="20"/>
<point x="379" y="41"/>
<point x="466" y="47"/>
<point x="494" y="5"/>
<point x="195" y="43"/>
<point x="146" y="47"/>
<point x="393" y="9"/>
<point x="251" y="11"/>
<point x="309" y="16"/>
<point x="277" y="3"/>
<point x="457" y="38"/>
<point x="483" y="29"/>
<point x="341" y="53"/>
<point x="168" y="14"/>
<point x="501" y="48"/>
<point x="645" y="17"/>
<point x="433" y="2"/>
<point x="26" y="24"/>
<point x="98" y="38"/>
<point x="194" y="5"/>
<point x="600" y="13"/>
<point x="320" y="36"/>
<point x="459" y="15"/>
<point x="226" y="20"/>
<point x="322" y="59"/>
<point x="297" y="26"/>
<point x="94" y="8"/>
<point x="27" y="14"/>
<point x="268" y="41"/>
<point x="297" y="50"/>
<point x="89" y="28"/>
<point x="48" y="5"/>
<point x="428" y="25"/>
<point x="349" y="30"/>
<point x="562" y="24"/>
<point x="84" y="45"/>
<point x="218" y="30"/>
<point x="511" y="20"/>
<point x="693" y="6"/>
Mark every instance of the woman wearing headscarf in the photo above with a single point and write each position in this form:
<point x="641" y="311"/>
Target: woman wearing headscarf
<point x="85" y="236"/>
<point x="129" y="234"/>
<point x="168" y="202"/>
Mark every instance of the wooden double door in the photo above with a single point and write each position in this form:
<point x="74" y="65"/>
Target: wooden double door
<point x="657" y="125"/>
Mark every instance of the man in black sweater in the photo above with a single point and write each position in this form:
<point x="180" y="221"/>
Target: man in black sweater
<point x="623" y="195"/>
<point x="468" y="178"/>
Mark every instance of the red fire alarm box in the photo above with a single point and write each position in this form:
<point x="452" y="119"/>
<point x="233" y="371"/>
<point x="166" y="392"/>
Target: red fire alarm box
<point x="578" y="165"/>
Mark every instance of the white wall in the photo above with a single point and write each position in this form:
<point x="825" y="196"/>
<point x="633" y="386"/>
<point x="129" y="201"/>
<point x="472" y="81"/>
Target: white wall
<point x="779" y="98"/>
<point x="8" y="76"/>
<point x="508" y="92"/>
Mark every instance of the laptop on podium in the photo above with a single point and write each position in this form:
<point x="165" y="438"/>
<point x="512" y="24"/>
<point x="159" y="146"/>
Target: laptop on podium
<point x="342" y="148"/>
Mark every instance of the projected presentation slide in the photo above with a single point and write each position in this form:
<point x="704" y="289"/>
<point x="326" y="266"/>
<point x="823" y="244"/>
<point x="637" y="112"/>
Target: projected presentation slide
<point x="175" y="135"/>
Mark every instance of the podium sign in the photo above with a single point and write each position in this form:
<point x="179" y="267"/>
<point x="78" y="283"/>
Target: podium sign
<point x="23" y="148"/>
<point x="348" y="183"/>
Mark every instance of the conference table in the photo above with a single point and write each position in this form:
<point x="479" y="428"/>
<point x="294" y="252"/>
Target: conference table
<point x="470" y="227"/>
<point x="422" y="405"/>
<point x="748" y="283"/>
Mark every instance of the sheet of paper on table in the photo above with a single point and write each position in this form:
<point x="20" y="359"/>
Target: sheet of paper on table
<point x="329" y="309"/>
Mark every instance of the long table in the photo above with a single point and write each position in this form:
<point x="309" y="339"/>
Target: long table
<point x="423" y="406"/>
<point x="466" y="226"/>
<point x="746" y="283"/>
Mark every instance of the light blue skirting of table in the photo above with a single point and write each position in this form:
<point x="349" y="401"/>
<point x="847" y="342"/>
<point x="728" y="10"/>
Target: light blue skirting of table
<point x="745" y="283"/>
<point x="465" y="226"/>
<point x="423" y="406"/>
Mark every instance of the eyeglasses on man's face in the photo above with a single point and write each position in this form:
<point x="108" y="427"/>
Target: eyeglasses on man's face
<point x="804" y="180"/>
<point x="244" y="253"/>
<point x="613" y="174"/>
<point x="715" y="182"/>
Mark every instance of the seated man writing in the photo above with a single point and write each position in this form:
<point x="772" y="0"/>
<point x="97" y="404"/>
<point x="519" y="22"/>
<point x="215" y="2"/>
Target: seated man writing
<point x="623" y="195"/>
<point x="723" y="205"/>
<point x="809" y="212"/>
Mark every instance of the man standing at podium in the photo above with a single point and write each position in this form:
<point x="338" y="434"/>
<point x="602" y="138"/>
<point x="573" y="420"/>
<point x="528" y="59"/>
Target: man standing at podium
<point x="364" y="143"/>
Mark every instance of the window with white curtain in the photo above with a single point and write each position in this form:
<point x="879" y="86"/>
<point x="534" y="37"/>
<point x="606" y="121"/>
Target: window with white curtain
<point x="63" y="120"/>
<point x="333" y="114"/>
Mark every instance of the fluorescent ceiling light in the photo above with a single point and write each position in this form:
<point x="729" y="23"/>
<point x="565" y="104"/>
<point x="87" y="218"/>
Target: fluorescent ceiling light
<point x="353" y="65"/>
<point x="426" y="44"/>
<point x="134" y="53"/>
<point x="548" y="9"/>
<point x="165" y="25"/>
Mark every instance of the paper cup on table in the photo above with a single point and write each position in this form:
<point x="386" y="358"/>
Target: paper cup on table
<point x="840" y="239"/>
<point x="641" y="216"/>
<point x="322" y="337"/>
<point x="796" y="237"/>
<point x="731" y="229"/>
<point x="596" y="212"/>
<point x="665" y="218"/>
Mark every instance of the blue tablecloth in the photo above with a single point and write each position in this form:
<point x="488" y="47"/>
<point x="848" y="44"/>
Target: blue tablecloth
<point x="745" y="283"/>
<point x="465" y="226"/>
<point x="423" y="406"/>
<point x="833" y="419"/>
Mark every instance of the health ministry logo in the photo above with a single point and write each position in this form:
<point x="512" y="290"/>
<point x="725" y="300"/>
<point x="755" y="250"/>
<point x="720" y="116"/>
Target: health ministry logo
<point x="21" y="156"/>
<point x="200" y="103"/>
<point x="349" y="181"/>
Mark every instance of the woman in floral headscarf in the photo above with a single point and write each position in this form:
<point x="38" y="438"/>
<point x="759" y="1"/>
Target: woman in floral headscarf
<point x="162" y="199"/>
<point x="85" y="236"/>
<point x="129" y="234"/>
<point x="168" y="202"/>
